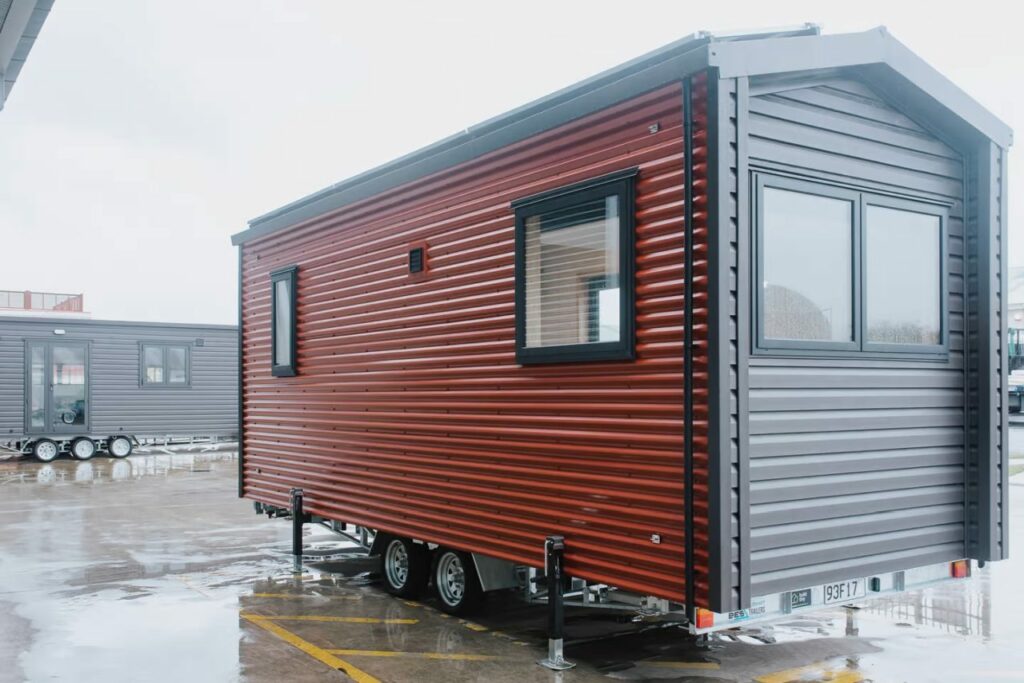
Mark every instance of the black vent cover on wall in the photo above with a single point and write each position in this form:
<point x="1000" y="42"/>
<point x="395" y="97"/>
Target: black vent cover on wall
<point x="416" y="260"/>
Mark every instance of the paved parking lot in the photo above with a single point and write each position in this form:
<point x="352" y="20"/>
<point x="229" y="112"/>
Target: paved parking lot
<point x="149" y="569"/>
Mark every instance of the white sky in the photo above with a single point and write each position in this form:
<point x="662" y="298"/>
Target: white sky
<point x="141" y="135"/>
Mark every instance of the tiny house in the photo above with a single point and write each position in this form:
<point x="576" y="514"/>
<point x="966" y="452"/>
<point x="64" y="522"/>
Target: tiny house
<point x="729" y="318"/>
<point x="82" y="386"/>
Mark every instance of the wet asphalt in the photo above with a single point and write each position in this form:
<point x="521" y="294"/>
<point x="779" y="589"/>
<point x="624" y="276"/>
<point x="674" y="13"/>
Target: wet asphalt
<point x="151" y="569"/>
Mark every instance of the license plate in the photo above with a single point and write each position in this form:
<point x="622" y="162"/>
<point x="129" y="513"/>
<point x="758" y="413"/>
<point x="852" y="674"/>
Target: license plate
<point x="844" y="591"/>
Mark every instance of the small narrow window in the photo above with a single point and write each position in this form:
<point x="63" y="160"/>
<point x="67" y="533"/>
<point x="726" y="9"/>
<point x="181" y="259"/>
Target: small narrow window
<point x="416" y="260"/>
<point x="283" y="299"/>
<point x="574" y="272"/>
<point x="165" y="365"/>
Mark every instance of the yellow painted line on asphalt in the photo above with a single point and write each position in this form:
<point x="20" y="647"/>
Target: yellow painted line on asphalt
<point x="340" y="620"/>
<point x="456" y="656"/>
<point x="822" y="671"/>
<point x="321" y="655"/>
<point x="706" y="666"/>
<point x="299" y="596"/>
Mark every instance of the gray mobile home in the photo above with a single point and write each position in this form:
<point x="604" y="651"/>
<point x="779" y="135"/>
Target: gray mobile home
<point x="82" y="386"/>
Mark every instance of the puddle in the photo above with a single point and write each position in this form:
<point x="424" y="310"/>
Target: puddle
<point x="101" y="468"/>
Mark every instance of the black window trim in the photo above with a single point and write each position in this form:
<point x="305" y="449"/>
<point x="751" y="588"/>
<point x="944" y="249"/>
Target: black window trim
<point x="288" y="274"/>
<point x="860" y="348"/>
<point x="166" y="383"/>
<point x="820" y="190"/>
<point x="622" y="184"/>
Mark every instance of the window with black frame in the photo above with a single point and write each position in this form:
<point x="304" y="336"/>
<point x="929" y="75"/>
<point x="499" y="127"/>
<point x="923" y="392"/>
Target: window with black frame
<point x="283" y="322"/>
<point x="166" y="365"/>
<point x="574" y="272"/>
<point x="842" y="270"/>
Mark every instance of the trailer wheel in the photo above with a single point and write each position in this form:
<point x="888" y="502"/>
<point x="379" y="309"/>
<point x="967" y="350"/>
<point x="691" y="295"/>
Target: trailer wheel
<point x="456" y="582"/>
<point x="83" y="448"/>
<point x="119" y="446"/>
<point x="406" y="567"/>
<point x="45" y="450"/>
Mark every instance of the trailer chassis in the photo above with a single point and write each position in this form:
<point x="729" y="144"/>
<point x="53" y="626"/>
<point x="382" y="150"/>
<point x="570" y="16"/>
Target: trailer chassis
<point x="542" y="586"/>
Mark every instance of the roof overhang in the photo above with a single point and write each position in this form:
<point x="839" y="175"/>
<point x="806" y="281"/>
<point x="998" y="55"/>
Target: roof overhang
<point x="869" y="49"/>
<point x="891" y="67"/>
<point x="20" y="23"/>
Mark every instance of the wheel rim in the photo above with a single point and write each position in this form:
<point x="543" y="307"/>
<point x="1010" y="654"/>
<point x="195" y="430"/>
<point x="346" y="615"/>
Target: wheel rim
<point x="119" y="447"/>
<point x="396" y="564"/>
<point x="451" y="579"/>
<point x="84" y="449"/>
<point x="46" y="451"/>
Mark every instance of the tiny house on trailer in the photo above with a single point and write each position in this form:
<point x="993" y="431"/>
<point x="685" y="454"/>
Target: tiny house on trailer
<point x="82" y="386"/>
<point x="729" y="319"/>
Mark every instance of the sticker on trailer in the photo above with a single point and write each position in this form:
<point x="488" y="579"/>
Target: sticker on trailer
<point x="758" y="608"/>
<point x="800" y="598"/>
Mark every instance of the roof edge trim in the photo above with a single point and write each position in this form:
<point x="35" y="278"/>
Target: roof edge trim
<point x="640" y="75"/>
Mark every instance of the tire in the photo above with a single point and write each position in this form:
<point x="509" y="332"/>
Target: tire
<point x="406" y="567"/>
<point x="83" y="448"/>
<point x="45" y="450"/>
<point x="119" y="446"/>
<point x="456" y="583"/>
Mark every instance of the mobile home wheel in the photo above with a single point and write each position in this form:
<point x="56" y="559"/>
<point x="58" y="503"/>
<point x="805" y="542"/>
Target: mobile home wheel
<point x="83" y="448"/>
<point x="456" y="582"/>
<point x="120" y="446"/>
<point x="406" y="567"/>
<point x="45" y="450"/>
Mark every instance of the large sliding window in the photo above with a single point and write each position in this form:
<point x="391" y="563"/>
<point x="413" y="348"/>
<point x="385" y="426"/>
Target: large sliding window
<point x="845" y="271"/>
<point x="574" y="272"/>
<point x="282" y="315"/>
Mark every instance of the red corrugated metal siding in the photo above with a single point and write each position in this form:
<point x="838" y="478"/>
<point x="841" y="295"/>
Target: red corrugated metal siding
<point x="409" y="413"/>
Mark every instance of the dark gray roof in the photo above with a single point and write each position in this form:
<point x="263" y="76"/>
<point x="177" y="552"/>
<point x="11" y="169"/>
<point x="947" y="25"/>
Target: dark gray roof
<point x="100" y="322"/>
<point x="20" y="23"/>
<point x="751" y="54"/>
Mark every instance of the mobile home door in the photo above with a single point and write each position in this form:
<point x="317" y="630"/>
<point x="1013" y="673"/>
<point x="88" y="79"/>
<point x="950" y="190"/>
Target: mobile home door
<point x="57" y="391"/>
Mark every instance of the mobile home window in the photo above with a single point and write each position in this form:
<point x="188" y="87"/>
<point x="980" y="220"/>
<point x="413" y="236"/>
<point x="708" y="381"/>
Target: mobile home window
<point x="282" y="314"/>
<point x="574" y="272"/>
<point x="165" y="365"/>
<point x="808" y="266"/>
<point x="903" y="276"/>
<point x="845" y="271"/>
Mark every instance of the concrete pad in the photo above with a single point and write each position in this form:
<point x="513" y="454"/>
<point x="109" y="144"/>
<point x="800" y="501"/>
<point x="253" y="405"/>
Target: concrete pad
<point x="151" y="569"/>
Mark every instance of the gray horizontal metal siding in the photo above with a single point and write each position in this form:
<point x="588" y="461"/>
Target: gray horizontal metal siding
<point x="118" y="403"/>
<point x="987" y="514"/>
<point x="726" y="478"/>
<point x="12" y="383"/>
<point x="856" y="466"/>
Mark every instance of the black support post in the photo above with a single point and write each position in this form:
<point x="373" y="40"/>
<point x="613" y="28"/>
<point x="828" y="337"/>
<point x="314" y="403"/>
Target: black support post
<point x="554" y="549"/>
<point x="298" y="519"/>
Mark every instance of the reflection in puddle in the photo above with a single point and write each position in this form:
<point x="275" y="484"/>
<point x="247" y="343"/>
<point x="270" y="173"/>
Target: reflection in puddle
<point x="963" y="612"/>
<point x="141" y="464"/>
